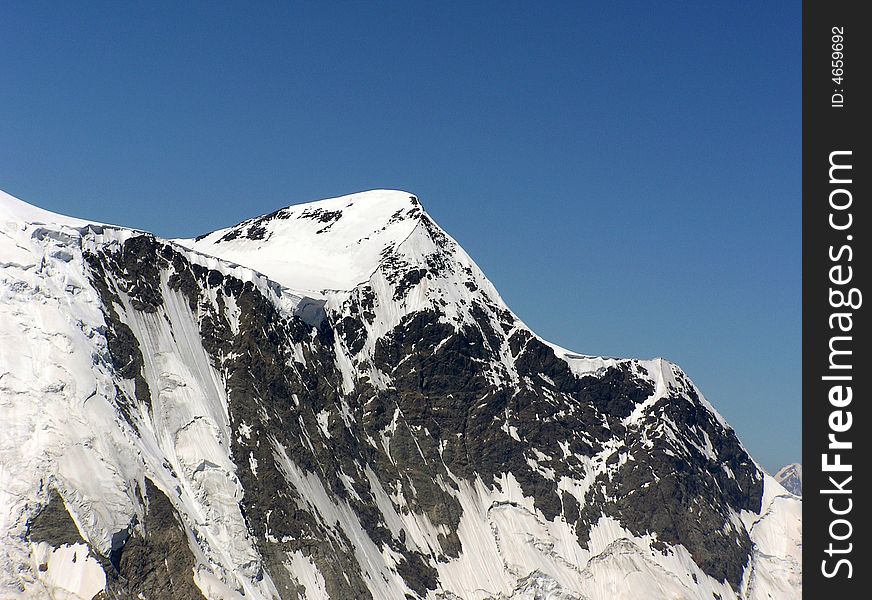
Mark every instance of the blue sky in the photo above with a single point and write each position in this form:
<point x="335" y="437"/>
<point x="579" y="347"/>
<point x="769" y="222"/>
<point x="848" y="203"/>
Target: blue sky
<point x="627" y="174"/>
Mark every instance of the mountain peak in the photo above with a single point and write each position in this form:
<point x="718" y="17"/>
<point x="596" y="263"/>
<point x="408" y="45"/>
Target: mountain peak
<point x="790" y="477"/>
<point x="383" y="440"/>
<point x="331" y="244"/>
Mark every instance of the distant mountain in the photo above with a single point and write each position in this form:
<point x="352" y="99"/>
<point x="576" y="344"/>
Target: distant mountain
<point x="791" y="478"/>
<point x="332" y="401"/>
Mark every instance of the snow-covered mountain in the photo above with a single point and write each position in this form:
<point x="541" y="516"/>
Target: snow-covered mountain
<point x="790" y="477"/>
<point x="332" y="401"/>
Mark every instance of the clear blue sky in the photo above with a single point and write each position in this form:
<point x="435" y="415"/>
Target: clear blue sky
<point x="628" y="174"/>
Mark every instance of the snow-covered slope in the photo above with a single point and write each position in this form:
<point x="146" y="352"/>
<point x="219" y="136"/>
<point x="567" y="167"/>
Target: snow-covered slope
<point x="332" y="244"/>
<point x="332" y="401"/>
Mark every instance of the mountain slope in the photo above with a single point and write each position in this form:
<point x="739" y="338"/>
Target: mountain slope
<point x="332" y="401"/>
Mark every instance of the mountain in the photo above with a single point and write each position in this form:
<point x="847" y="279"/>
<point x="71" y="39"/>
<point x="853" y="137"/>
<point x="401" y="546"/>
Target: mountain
<point x="790" y="477"/>
<point x="332" y="401"/>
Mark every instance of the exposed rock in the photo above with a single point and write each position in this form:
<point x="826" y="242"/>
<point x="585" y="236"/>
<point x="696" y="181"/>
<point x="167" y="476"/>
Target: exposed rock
<point x="156" y="561"/>
<point x="372" y="437"/>
<point x="53" y="524"/>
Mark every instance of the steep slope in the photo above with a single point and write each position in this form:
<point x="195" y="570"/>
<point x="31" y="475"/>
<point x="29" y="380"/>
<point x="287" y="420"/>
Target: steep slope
<point x="332" y="401"/>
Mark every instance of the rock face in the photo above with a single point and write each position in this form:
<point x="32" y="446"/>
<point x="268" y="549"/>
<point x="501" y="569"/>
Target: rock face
<point x="791" y="478"/>
<point x="332" y="401"/>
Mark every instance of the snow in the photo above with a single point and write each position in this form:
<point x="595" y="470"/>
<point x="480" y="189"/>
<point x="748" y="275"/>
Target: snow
<point x="625" y="566"/>
<point x="307" y="574"/>
<point x="55" y="387"/>
<point x="777" y="536"/>
<point x="15" y="212"/>
<point x="68" y="572"/>
<point x="323" y="419"/>
<point x="511" y="552"/>
<point x="790" y="478"/>
<point x="189" y="428"/>
<point x="53" y="348"/>
<point x="376" y="231"/>
<point x="502" y="524"/>
<point x="379" y="575"/>
<point x="214" y="588"/>
<point x="299" y="253"/>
